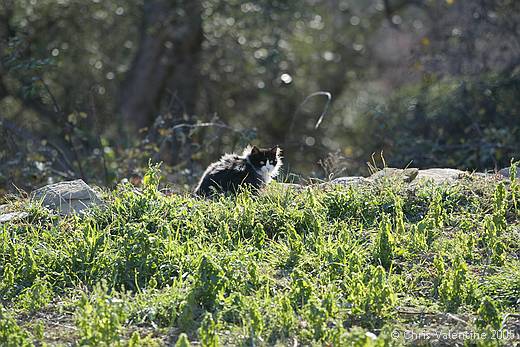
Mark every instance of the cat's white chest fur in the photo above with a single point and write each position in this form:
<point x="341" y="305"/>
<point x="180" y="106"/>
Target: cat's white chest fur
<point x="268" y="171"/>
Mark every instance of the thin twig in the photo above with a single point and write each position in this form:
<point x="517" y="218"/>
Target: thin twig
<point x="71" y="327"/>
<point x="323" y="113"/>
<point x="455" y="318"/>
<point x="26" y="134"/>
<point x="325" y="109"/>
<point x="60" y="113"/>
<point x="205" y="125"/>
<point x="57" y="107"/>
<point x="98" y="136"/>
<point x="175" y="97"/>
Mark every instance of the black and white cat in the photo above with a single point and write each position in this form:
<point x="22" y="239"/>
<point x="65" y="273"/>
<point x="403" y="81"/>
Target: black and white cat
<point x="255" y="168"/>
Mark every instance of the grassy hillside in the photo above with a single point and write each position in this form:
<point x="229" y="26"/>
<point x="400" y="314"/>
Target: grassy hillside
<point x="382" y="264"/>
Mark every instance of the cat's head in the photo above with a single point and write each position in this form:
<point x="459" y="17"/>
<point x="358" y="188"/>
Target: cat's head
<point x="265" y="160"/>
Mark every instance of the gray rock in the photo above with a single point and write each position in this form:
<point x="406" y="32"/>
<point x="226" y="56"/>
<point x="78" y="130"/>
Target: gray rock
<point x="506" y="172"/>
<point x="437" y="175"/>
<point x="67" y="197"/>
<point x="13" y="216"/>
<point x="441" y="175"/>
<point x="484" y="175"/>
<point x="4" y="208"/>
<point x="294" y="186"/>
<point x="407" y="175"/>
<point x="349" y="181"/>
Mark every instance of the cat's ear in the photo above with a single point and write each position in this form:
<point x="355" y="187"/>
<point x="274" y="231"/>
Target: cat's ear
<point x="274" y="150"/>
<point x="254" y="150"/>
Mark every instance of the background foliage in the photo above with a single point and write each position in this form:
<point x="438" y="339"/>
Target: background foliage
<point x="94" y="88"/>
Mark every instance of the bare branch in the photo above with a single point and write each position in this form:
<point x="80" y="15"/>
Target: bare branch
<point x="205" y="125"/>
<point x="25" y="134"/>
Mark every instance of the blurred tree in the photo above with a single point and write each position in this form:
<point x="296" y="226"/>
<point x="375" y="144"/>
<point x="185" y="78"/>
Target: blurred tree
<point x="5" y="33"/>
<point x="467" y="38"/>
<point x="166" y="62"/>
<point x="456" y="105"/>
<point x="466" y="124"/>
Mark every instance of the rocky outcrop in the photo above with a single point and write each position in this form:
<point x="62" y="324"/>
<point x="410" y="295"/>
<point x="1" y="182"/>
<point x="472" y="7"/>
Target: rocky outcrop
<point x="441" y="175"/>
<point x="294" y="186"/>
<point x="67" y="197"/>
<point x="407" y="175"/>
<point x="506" y="172"/>
<point x="12" y="216"/>
<point x="437" y="175"/>
<point x="410" y="175"/>
<point x="346" y="181"/>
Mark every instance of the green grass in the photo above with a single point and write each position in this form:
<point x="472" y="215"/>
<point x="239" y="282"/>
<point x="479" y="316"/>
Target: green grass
<point x="338" y="266"/>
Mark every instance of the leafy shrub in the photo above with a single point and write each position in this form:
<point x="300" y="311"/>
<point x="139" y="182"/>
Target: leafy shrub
<point x="99" y="318"/>
<point x="267" y="269"/>
<point x="183" y="341"/>
<point x="455" y="285"/>
<point x="463" y="123"/>
<point x="11" y="335"/>
<point x="384" y="244"/>
<point x="489" y="314"/>
<point x="35" y="297"/>
<point x="208" y="332"/>
<point x="374" y="294"/>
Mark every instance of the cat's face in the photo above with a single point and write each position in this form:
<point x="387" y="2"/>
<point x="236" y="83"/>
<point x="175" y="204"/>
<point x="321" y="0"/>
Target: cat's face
<point x="265" y="160"/>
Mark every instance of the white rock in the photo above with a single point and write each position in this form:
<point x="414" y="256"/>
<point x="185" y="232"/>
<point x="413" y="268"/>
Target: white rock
<point x="67" y="197"/>
<point x="4" y="208"/>
<point x="407" y="175"/>
<point x="441" y="175"/>
<point x="506" y="172"/>
<point x="12" y="216"/>
<point x="348" y="181"/>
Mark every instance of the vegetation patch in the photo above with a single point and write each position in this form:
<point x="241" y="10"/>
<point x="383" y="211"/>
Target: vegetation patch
<point x="369" y="265"/>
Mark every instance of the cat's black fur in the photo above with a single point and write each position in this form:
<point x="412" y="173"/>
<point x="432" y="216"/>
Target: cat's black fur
<point x="254" y="168"/>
